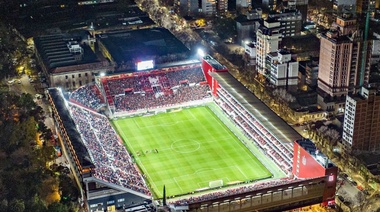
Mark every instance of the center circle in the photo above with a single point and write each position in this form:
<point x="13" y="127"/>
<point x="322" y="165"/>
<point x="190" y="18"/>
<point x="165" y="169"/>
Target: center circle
<point x="185" y="146"/>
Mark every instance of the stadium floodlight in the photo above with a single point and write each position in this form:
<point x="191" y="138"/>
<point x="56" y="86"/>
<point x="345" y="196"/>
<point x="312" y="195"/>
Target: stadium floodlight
<point x="201" y="52"/>
<point x="102" y="74"/>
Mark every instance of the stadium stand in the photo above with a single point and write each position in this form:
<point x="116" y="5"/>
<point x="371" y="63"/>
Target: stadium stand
<point x="229" y="192"/>
<point x="155" y="89"/>
<point x="112" y="161"/>
<point x="88" y="96"/>
<point x="279" y="152"/>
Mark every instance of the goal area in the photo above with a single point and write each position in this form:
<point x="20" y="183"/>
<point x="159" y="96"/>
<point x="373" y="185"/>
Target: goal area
<point x="215" y="184"/>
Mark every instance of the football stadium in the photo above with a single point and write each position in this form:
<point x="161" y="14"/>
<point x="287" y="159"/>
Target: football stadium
<point x="185" y="136"/>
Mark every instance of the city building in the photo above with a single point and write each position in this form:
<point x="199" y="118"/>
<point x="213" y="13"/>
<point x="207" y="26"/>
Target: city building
<point x="299" y="5"/>
<point x="269" y="4"/>
<point x="188" y="7"/>
<point x="208" y="7"/>
<point x="243" y="3"/>
<point x="375" y="50"/>
<point x="362" y="6"/>
<point x="361" y="127"/>
<point x="67" y="61"/>
<point x="246" y="26"/>
<point x="341" y="64"/>
<point x="282" y="69"/>
<point x="221" y="7"/>
<point x="250" y="53"/>
<point x="268" y="38"/>
<point x="344" y="5"/>
<point x="291" y="22"/>
<point x="309" y="71"/>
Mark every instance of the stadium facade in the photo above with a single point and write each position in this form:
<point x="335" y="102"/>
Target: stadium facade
<point x="109" y="177"/>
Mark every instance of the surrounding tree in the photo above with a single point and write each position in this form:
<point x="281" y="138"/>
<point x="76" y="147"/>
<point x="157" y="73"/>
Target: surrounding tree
<point x="57" y="207"/>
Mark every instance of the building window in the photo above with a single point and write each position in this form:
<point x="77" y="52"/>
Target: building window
<point x="67" y="84"/>
<point x="110" y="202"/>
<point x="72" y="76"/>
<point x="85" y="74"/>
<point x="73" y="84"/>
<point x="80" y="82"/>
<point x="121" y="200"/>
<point x="79" y="75"/>
<point x="66" y="77"/>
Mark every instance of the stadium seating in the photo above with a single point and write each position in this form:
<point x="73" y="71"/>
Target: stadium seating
<point x="155" y="89"/>
<point x="112" y="161"/>
<point x="233" y="191"/>
<point x="88" y="96"/>
<point x="279" y="152"/>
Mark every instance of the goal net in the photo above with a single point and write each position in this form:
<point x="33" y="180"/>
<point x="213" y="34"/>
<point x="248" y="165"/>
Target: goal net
<point x="215" y="183"/>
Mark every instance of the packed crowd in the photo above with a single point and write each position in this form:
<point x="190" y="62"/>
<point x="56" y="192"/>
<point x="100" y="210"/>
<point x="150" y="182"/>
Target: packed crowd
<point x="156" y="89"/>
<point x="144" y="81"/>
<point x="89" y="96"/>
<point x="112" y="161"/>
<point x="130" y="102"/>
<point x="266" y="141"/>
<point x="233" y="191"/>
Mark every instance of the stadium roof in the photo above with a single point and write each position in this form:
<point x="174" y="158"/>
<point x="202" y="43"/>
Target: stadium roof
<point x="142" y="44"/>
<point x="54" y="51"/>
<point x="270" y="120"/>
<point x="75" y="138"/>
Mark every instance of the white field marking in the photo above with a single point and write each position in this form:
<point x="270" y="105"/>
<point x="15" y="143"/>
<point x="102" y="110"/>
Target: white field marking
<point x="206" y="170"/>
<point x="184" y="146"/>
<point x="192" y="115"/>
<point x="208" y="141"/>
<point x="168" y="124"/>
<point x="222" y="125"/>
<point x="189" y="176"/>
<point x="175" y="180"/>
<point x="141" y="164"/>
<point x="242" y="173"/>
<point x="207" y="182"/>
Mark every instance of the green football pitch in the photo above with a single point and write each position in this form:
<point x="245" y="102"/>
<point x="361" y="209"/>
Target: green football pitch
<point x="187" y="149"/>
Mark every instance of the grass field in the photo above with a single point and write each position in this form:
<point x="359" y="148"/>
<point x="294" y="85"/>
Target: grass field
<point x="194" y="147"/>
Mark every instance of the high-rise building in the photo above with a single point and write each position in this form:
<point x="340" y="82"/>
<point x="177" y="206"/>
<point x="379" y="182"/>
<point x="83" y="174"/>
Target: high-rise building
<point x="269" y="4"/>
<point x="243" y="3"/>
<point x="221" y="7"/>
<point x="188" y="7"/>
<point x="208" y="7"/>
<point x="268" y="38"/>
<point x="300" y="5"/>
<point x="246" y="26"/>
<point x="340" y="64"/>
<point x="363" y="5"/>
<point x="282" y="69"/>
<point x="344" y="5"/>
<point x="361" y="128"/>
<point x="291" y="22"/>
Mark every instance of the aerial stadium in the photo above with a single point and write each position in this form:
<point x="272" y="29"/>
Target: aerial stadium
<point x="186" y="136"/>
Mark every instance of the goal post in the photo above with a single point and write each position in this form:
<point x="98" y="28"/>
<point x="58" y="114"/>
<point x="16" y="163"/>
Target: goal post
<point x="215" y="184"/>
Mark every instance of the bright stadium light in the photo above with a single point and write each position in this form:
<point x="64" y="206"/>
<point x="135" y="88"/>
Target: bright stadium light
<point x="102" y="74"/>
<point x="201" y="52"/>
